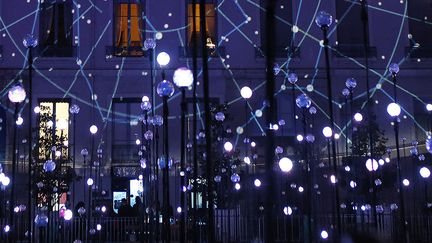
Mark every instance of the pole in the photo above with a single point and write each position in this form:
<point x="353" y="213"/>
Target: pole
<point x="182" y="164"/>
<point x="30" y="143"/>
<point x="333" y="143"/>
<point x="208" y="125"/>
<point x="166" y="204"/>
<point x="270" y="206"/>
<point x="14" y="158"/>
<point x="365" y="20"/>
<point x="194" y="122"/>
<point x="399" y="181"/>
<point x="308" y="179"/>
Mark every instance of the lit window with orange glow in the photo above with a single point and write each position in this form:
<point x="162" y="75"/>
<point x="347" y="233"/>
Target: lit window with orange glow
<point x="210" y="19"/>
<point x="128" y="28"/>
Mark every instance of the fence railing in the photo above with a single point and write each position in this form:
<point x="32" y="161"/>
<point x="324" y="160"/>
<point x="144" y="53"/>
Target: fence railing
<point x="230" y="226"/>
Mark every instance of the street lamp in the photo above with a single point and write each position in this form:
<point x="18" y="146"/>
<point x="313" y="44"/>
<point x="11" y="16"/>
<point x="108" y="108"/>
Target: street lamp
<point x="425" y="174"/>
<point x="394" y="110"/>
<point x="30" y="42"/>
<point x="16" y="95"/>
<point x="183" y="78"/>
<point x="165" y="90"/>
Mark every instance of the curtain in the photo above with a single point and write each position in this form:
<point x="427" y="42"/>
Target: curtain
<point x="128" y="34"/>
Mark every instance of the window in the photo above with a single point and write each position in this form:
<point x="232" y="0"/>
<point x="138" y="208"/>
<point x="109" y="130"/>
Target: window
<point x="350" y="35"/>
<point x="56" y="28"/>
<point x="420" y="27"/>
<point x="128" y="36"/>
<point x="283" y="43"/>
<point x="210" y="19"/>
<point x="52" y="116"/>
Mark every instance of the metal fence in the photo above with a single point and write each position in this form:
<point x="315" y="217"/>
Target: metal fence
<point x="230" y="226"/>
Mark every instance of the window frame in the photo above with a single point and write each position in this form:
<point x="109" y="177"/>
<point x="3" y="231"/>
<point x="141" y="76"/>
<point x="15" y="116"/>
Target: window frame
<point x="56" y="50"/>
<point x="188" y="49"/>
<point x="118" y="51"/>
<point x="54" y="101"/>
<point x="355" y="50"/>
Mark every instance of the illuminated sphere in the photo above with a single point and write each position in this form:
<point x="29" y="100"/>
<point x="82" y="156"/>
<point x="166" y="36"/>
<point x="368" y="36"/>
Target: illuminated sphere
<point x="217" y="178"/>
<point x="285" y="164"/>
<point x="303" y="101"/>
<point x="310" y="138"/>
<point x="292" y="78"/>
<point x="257" y="182"/>
<point x="235" y="178"/>
<point x="220" y="116"/>
<point x="228" y="146"/>
<point x="98" y="227"/>
<point x="371" y="165"/>
<point x="393" y="109"/>
<point x="6" y="229"/>
<point x="351" y="83"/>
<point x="358" y="117"/>
<point x="246" y="92"/>
<point x="19" y="121"/>
<point x="146" y="105"/>
<point x="17" y="94"/>
<point x="149" y="43"/>
<point x="49" y="166"/>
<point x="327" y="132"/>
<point x="324" y="234"/>
<point x="90" y="181"/>
<point x="68" y="214"/>
<point x="247" y="160"/>
<point x="148" y="135"/>
<point x="36" y="109"/>
<point x="179" y="209"/>
<point x="406" y="182"/>
<point x="312" y="110"/>
<point x="276" y="69"/>
<point x="30" y="41"/>
<point x="287" y="210"/>
<point x="81" y="210"/>
<point x="425" y="172"/>
<point x="237" y="186"/>
<point x="84" y="152"/>
<point x="93" y="129"/>
<point x="41" y="220"/>
<point x="143" y="163"/>
<point x="183" y="77"/>
<point x="345" y="92"/>
<point x="163" y="59"/>
<point x="74" y="109"/>
<point x="300" y="138"/>
<point x="429" y="144"/>
<point x="429" y="107"/>
<point x="165" y="89"/>
<point x="62" y="124"/>
<point x="158" y="120"/>
<point x="5" y="181"/>
<point x="394" y="68"/>
<point x="323" y="19"/>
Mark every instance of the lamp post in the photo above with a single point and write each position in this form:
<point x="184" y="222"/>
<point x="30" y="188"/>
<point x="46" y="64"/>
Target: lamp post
<point x="425" y="174"/>
<point x="16" y="95"/>
<point x="328" y="134"/>
<point x="324" y="20"/>
<point x="304" y="102"/>
<point x="183" y="78"/>
<point x="30" y="42"/>
<point x="394" y="110"/>
<point x="74" y="110"/>
<point x="165" y="89"/>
